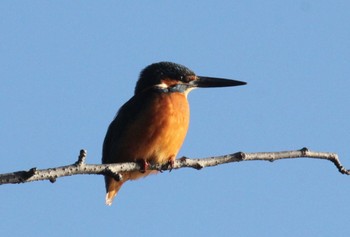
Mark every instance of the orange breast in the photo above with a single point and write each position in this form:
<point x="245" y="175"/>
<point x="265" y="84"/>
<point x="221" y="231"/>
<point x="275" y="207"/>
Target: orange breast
<point x="158" y="132"/>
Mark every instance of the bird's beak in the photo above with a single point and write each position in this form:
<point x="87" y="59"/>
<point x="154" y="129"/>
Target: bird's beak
<point x="215" y="82"/>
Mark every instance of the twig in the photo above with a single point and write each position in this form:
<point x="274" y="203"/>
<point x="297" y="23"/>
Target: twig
<point x="114" y="170"/>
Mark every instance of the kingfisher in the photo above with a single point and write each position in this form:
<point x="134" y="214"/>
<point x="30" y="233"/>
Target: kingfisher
<point x="151" y="127"/>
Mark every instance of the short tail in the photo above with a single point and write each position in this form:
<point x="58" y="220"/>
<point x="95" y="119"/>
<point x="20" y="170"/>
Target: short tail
<point x="112" y="188"/>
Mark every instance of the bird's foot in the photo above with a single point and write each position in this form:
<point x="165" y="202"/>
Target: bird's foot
<point x="143" y="164"/>
<point x="170" y="164"/>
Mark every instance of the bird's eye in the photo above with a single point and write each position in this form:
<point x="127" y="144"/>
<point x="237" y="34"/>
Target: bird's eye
<point x="184" y="79"/>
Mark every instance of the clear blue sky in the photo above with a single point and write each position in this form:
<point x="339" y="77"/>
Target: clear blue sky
<point x="67" y="66"/>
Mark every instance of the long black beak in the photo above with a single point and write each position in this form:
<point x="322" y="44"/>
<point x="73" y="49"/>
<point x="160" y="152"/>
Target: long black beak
<point x="215" y="82"/>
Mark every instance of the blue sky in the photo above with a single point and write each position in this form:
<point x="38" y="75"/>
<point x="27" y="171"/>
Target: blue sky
<point x="67" y="66"/>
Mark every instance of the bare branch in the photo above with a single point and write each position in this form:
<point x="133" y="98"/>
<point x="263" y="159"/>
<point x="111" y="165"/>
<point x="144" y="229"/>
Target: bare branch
<point x="114" y="170"/>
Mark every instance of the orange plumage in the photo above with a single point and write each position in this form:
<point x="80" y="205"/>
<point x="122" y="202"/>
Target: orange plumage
<point x="153" y="124"/>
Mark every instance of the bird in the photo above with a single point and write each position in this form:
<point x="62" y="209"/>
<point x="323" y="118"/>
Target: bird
<point x="150" y="128"/>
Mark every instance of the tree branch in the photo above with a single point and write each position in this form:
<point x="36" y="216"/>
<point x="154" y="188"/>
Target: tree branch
<point x="114" y="170"/>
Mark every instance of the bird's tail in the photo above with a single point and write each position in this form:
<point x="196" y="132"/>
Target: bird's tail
<point x="112" y="188"/>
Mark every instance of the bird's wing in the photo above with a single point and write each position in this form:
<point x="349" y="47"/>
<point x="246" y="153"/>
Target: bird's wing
<point x="126" y="116"/>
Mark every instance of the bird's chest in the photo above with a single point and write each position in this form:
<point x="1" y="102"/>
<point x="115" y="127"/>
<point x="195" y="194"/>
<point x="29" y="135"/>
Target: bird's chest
<point x="167" y="123"/>
<point x="160" y="129"/>
<point x="168" y="114"/>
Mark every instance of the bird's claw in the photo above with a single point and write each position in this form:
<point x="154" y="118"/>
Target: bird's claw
<point x="143" y="164"/>
<point x="170" y="165"/>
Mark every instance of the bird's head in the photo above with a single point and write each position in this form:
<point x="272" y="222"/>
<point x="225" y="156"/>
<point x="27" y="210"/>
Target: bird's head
<point x="172" y="77"/>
